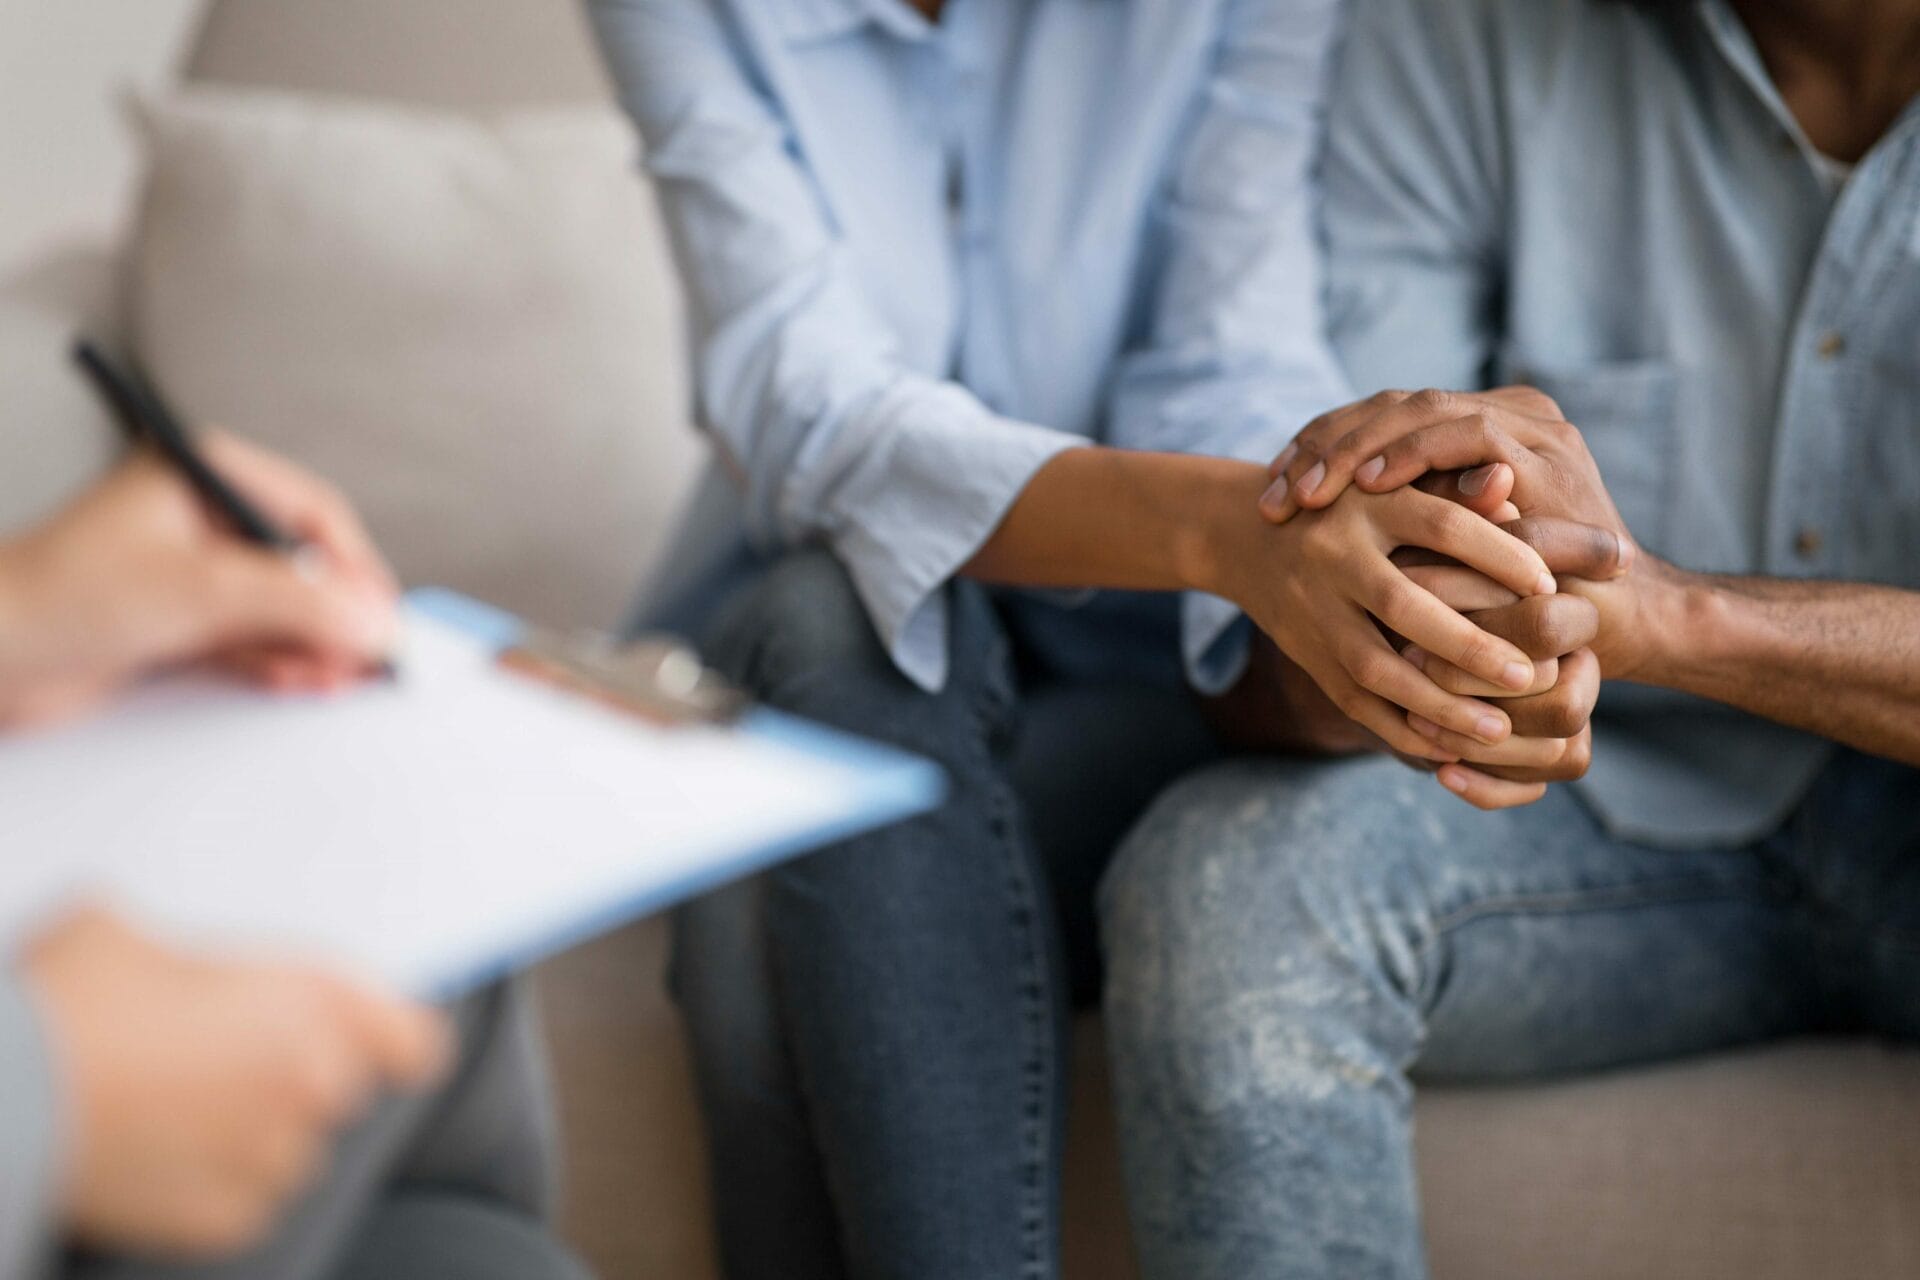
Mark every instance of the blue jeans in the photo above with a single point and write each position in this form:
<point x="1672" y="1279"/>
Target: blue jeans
<point x="880" y="1029"/>
<point x="1286" y="942"/>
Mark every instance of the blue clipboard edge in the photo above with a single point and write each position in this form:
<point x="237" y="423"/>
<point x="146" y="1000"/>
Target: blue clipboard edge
<point x="895" y="786"/>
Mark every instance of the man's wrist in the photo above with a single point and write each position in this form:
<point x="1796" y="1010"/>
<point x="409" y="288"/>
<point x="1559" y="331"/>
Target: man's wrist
<point x="1683" y="619"/>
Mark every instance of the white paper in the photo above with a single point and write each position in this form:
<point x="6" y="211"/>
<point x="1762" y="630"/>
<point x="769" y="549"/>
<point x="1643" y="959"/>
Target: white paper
<point x="425" y="833"/>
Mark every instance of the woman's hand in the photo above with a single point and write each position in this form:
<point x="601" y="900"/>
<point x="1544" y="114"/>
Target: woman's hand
<point x="1318" y="585"/>
<point x="137" y="574"/>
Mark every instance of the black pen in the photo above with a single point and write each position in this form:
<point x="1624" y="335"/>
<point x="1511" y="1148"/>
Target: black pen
<point x="145" y="419"/>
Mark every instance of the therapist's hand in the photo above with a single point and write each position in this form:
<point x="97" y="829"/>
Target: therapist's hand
<point x="137" y="574"/>
<point x="200" y="1096"/>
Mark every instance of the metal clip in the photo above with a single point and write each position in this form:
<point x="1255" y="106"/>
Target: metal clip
<point x="656" y="677"/>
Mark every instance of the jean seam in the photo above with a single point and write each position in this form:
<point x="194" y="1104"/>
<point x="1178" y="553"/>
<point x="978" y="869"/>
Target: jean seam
<point x="993" y="706"/>
<point x="1564" y="902"/>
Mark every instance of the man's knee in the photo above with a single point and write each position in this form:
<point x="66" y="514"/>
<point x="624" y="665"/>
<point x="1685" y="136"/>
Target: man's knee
<point x="1255" y="906"/>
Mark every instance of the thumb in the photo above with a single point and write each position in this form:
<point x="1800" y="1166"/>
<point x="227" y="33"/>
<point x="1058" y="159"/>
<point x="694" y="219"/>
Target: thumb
<point x="267" y="598"/>
<point x="407" y="1045"/>
<point x="1485" y="490"/>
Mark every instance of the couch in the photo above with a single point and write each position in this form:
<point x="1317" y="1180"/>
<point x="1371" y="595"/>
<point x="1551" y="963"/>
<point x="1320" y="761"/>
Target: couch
<point x="1786" y="1161"/>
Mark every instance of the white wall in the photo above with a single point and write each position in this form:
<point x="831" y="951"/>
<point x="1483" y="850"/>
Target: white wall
<point x="66" y="163"/>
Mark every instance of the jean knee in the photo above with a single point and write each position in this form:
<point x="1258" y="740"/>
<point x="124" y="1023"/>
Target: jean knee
<point x="721" y="977"/>
<point x="1254" y="918"/>
<point x="799" y="620"/>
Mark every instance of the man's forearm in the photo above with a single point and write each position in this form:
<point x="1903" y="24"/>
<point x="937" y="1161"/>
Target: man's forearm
<point x="1840" y="659"/>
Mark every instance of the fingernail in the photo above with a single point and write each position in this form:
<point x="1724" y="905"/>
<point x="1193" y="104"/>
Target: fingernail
<point x="1489" y="728"/>
<point x="1474" y="481"/>
<point x="1370" y="470"/>
<point x="1452" y="781"/>
<point x="1311" y="481"/>
<point x="1417" y="656"/>
<point x="1423" y="726"/>
<point x="1274" y="500"/>
<point x="1285" y="460"/>
<point x="1518" y="675"/>
<point x="1546" y="586"/>
<point x="379" y="628"/>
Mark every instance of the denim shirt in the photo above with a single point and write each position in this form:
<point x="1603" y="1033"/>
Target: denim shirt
<point x="1611" y="201"/>
<point x="921" y="260"/>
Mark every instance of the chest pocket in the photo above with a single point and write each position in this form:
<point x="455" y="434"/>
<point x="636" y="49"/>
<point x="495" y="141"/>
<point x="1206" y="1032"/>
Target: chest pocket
<point x="1626" y="411"/>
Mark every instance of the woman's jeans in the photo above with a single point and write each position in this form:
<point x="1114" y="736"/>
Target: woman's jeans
<point x="1286" y="941"/>
<point x="880" y="1030"/>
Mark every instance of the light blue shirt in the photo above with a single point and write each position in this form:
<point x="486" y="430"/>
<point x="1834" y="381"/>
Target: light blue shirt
<point x="1611" y="201"/>
<point x="921" y="260"/>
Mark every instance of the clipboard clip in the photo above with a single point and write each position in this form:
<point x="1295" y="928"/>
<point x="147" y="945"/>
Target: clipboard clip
<point x="658" y="678"/>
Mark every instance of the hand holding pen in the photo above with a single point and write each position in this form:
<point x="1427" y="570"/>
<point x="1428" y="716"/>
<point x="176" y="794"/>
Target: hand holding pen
<point x="144" y="571"/>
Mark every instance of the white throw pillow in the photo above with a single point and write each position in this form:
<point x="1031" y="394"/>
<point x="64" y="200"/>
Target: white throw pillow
<point x="470" y="325"/>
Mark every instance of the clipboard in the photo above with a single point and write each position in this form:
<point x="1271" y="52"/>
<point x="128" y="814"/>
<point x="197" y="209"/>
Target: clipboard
<point x="436" y="832"/>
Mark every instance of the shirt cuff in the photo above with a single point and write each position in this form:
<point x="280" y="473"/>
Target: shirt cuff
<point x="946" y="495"/>
<point x="29" y="1137"/>
<point x="1215" y="640"/>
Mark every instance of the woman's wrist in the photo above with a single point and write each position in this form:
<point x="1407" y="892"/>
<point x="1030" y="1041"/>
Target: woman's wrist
<point x="1226" y="535"/>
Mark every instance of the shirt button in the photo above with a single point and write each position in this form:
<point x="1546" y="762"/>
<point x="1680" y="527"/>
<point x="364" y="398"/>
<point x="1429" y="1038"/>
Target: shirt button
<point x="1831" y="345"/>
<point x="1807" y="542"/>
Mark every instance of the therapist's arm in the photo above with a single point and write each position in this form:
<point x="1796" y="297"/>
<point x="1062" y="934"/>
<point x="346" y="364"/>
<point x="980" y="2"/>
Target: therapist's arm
<point x="136" y="574"/>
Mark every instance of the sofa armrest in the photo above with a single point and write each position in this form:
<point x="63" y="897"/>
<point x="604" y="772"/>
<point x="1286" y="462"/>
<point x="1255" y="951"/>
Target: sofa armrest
<point x="54" y="435"/>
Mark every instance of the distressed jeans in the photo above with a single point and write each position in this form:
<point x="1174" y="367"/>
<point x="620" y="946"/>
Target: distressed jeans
<point x="1287" y="943"/>
<point x="880" y="1029"/>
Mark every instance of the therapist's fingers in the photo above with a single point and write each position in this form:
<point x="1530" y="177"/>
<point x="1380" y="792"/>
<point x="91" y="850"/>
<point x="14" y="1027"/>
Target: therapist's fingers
<point x="408" y="1045"/>
<point x="308" y="506"/>
<point x="254" y="597"/>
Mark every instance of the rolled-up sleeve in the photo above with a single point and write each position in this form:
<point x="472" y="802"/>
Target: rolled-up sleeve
<point x="1237" y="359"/>
<point x="29" y="1137"/>
<point x="800" y="386"/>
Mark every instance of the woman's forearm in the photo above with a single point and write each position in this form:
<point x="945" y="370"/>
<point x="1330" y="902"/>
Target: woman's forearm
<point x="1126" y="520"/>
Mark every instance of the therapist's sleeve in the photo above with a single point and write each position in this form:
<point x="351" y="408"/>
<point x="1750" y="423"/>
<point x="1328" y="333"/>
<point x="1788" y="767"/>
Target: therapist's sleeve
<point x="1237" y="359"/>
<point x="799" y="382"/>
<point x="29" y="1137"/>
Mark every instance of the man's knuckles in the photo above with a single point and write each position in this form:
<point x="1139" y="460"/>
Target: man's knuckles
<point x="1546" y="626"/>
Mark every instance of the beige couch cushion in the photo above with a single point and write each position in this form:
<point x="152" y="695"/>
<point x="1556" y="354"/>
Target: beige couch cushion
<point x="469" y="324"/>
<point x="450" y="53"/>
